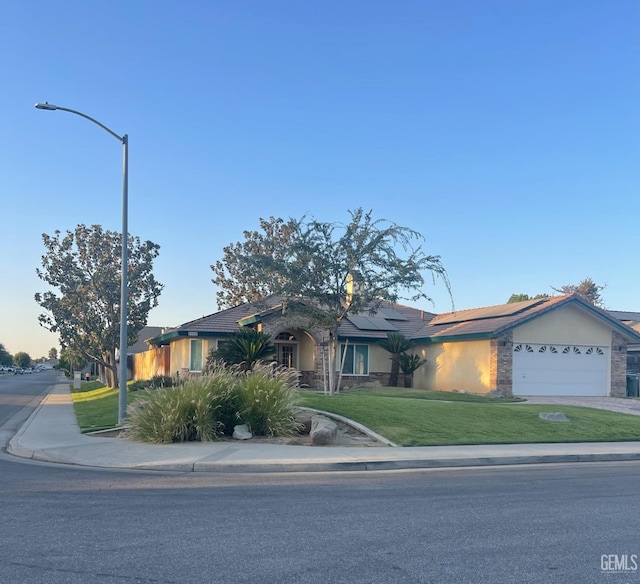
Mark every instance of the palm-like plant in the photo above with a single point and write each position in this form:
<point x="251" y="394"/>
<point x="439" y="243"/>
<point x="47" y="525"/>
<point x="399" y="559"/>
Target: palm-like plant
<point x="409" y="365"/>
<point x="396" y="344"/>
<point x="244" y="348"/>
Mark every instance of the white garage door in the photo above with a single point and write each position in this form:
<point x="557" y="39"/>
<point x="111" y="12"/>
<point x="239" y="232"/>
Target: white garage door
<point x="559" y="369"/>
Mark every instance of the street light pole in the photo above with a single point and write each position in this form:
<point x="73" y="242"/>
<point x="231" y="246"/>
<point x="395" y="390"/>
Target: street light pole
<point x="124" y="140"/>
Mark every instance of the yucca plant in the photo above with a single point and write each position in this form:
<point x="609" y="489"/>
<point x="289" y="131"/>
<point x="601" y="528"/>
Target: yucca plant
<point x="396" y="344"/>
<point x="409" y="365"/>
<point x="244" y="348"/>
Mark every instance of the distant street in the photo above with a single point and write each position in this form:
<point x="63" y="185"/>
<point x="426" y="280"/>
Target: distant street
<point x="502" y="525"/>
<point x="18" y="391"/>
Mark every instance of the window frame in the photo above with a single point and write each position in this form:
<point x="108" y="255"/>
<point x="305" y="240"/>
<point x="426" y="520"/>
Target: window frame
<point x="351" y="347"/>
<point x="191" y="355"/>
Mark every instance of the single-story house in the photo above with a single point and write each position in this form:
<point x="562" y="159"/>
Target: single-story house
<point x="560" y="345"/>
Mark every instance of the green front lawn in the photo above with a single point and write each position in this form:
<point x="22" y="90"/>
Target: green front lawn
<point x="411" y="417"/>
<point x="96" y="406"/>
<point x="422" y="421"/>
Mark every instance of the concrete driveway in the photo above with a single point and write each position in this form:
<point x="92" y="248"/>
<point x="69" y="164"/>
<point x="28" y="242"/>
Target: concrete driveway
<point x="614" y="404"/>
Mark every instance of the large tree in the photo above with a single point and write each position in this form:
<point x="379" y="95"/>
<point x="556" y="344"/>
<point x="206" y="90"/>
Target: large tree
<point x="22" y="359"/>
<point x="233" y="276"/>
<point x="586" y="288"/>
<point x="53" y="353"/>
<point x="83" y="267"/>
<point x="326" y="270"/>
<point x="6" y="358"/>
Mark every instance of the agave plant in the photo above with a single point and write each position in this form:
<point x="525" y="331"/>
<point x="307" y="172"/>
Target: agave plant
<point x="396" y="344"/>
<point x="409" y="365"/>
<point x="244" y="348"/>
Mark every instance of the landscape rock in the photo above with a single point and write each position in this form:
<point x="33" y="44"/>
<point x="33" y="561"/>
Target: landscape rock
<point x="323" y="431"/>
<point x="553" y="416"/>
<point x="303" y="418"/>
<point x="241" y="432"/>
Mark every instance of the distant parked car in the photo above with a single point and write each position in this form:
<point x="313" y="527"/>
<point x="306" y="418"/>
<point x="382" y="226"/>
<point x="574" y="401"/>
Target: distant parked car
<point x="28" y="370"/>
<point x="18" y="370"/>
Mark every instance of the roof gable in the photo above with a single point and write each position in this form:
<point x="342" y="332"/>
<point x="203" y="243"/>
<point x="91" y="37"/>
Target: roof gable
<point x="492" y="321"/>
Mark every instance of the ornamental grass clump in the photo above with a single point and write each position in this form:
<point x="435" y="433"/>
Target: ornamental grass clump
<point x="195" y="410"/>
<point x="267" y="398"/>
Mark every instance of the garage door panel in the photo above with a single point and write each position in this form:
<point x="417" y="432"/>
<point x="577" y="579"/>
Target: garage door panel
<point x="560" y="370"/>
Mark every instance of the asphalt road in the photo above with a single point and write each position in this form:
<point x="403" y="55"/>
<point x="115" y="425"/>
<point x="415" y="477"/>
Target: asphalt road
<point x="538" y="524"/>
<point x="19" y="396"/>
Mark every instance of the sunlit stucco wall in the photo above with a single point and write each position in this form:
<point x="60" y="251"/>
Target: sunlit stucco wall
<point x="462" y="366"/>
<point x="181" y="352"/>
<point x="567" y="324"/>
<point x="379" y="359"/>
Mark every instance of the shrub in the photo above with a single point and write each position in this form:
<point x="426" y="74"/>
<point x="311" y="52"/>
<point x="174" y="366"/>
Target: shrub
<point x="156" y="382"/>
<point x="207" y="407"/>
<point x="267" y="398"/>
<point x="187" y="412"/>
<point x="138" y="385"/>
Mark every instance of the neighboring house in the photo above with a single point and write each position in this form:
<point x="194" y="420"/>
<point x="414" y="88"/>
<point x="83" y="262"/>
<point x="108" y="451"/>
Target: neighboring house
<point x="551" y="346"/>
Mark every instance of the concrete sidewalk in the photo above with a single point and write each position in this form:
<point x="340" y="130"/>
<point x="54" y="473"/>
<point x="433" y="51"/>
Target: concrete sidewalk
<point x="52" y="434"/>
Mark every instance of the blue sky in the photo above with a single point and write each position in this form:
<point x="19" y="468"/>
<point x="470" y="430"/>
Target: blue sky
<point x="506" y="132"/>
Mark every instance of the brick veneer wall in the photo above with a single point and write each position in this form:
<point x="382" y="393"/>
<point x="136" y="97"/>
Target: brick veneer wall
<point x="501" y="364"/>
<point x="618" y="365"/>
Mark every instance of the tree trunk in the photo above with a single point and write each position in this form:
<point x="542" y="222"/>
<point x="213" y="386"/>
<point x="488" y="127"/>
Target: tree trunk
<point x="395" y="370"/>
<point x="111" y="369"/>
<point x="408" y="379"/>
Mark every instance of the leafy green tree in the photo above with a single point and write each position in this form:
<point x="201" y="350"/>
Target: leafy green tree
<point x="22" y="359"/>
<point x="233" y="275"/>
<point x="245" y="348"/>
<point x="6" y="358"/>
<point x="522" y="297"/>
<point x="396" y="344"/>
<point x="586" y="288"/>
<point x="409" y="365"/>
<point x="326" y="270"/>
<point x="70" y="361"/>
<point x="83" y="266"/>
<point x="53" y="353"/>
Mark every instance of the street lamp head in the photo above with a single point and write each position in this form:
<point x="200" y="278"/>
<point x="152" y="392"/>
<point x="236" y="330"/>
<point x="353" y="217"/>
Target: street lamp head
<point x="46" y="106"/>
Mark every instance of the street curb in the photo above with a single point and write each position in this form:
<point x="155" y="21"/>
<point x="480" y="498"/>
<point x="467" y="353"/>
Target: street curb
<point x="14" y="447"/>
<point x="353" y="424"/>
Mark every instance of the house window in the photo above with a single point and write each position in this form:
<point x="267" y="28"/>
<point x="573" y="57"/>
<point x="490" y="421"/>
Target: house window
<point x="356" y="359"/>
<point x="195" y="361"/>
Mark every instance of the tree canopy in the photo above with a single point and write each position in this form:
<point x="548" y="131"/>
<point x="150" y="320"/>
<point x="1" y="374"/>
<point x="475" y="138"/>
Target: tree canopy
<point x="317" y="260"/>
<point x="53" y="353"/>
<point x="6" y="358"/>
<point x="586" y="288"/>
<point x="83" y="268"/>
<point x="522" y="297"/>
<point x="22" y="359"/>
<point x="334" y="267"/>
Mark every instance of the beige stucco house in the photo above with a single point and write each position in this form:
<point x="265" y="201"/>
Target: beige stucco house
<point x="553" y="346"/>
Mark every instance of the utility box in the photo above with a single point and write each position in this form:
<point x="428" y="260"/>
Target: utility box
<point x="77" y="380"/>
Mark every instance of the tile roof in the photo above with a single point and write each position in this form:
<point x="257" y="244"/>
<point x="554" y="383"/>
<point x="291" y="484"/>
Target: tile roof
<point x="416" y="324"/>
<point x="494" y="320"/>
